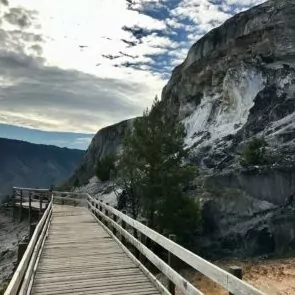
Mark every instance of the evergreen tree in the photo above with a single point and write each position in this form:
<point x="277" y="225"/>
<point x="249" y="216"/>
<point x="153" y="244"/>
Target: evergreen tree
<point x="156" y="153"/>
<point x="104" y="167"/>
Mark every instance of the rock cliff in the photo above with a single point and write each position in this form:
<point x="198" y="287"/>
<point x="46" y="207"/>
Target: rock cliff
<point x="107" y="141"/>
<point x="237" y="82"/>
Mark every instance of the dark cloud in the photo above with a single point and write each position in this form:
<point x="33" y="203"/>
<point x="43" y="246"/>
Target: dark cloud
<point x="129" y="43"/>
<point x="111" y="57"/>
<point x="26" y="36"/>
<point x="5" y="2"/>
<point x="37" y="48"/>
<point x="72" y="98"/>
<point x="137" y="32"/>
<point x="128" y="55"/>
<point x="20" y="16"/>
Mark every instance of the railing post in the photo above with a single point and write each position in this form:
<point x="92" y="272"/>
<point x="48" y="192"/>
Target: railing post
<point x="142" y="239"/>
<point x="107" y="215"/>
<point x="21" y="206"/>
<point x="123" y="224"/>
<point x="137" y="252"/>
<point x="100" y="209"/>
<point x="171" y="263"/>
<point x="40" y="209"/>
<point x="96" y="207"/>
<point x="22" y="247"/>
<point x="30" y="208"/>
<point x="115" y="218"/>
<point x="32" y="229"/>
<point x="237" y="272"/>
<point x="13" y="204"/>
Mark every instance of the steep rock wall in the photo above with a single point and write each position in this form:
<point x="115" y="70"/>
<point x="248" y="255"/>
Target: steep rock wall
<point x="237" y="82"/>
<point x="107" y="141"/>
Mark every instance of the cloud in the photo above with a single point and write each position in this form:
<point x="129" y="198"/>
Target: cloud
<point x="20" y="17"/>
<point x="5" y="2"/>
<point x="51" y="98"/>
<point x="48" y="81"/>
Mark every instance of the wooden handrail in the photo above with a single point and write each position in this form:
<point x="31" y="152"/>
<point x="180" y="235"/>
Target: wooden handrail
<point x="215" y="273"/>
<point x="31" y="189"/>
<point x="20" y="272"/>
<point x="169" y="272"/>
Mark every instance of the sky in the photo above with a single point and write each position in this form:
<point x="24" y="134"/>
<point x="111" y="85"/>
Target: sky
<point x="77" y="66"/>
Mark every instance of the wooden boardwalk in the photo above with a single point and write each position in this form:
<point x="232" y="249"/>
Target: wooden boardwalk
<point x="79" y="250"/>
<point x="80" y="257"/>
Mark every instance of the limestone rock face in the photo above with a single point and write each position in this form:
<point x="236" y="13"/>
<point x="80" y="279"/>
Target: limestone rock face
<point x="237" y="82"/>
<point x="107" y="141"/>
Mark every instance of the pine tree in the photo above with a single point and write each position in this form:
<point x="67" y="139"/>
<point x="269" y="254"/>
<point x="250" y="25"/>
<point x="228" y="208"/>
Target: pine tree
<point x="156" y="152"/>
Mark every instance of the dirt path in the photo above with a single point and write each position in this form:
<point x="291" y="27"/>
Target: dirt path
<point x="274" y="277"/>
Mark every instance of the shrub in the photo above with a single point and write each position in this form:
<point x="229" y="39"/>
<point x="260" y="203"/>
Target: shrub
<point x="253" y="153"/>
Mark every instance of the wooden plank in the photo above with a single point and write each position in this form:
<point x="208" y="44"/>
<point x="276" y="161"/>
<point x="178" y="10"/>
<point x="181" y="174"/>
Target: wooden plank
<point x="218" y="275"/>
<point x="31" y="189"/>
<point x="79" y="257"/>
<point x="151" y="277"/>
<point x="169" y="272"/>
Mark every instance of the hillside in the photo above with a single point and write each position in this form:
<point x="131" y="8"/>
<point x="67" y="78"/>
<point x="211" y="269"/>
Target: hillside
<point x="237" y="83"/>
<point x="32" y="165"/>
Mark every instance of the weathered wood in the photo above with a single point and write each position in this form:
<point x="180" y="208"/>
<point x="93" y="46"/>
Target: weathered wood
<point x="40" y="209"/>
<point x="79" y="256"/>
<point x="115" y="220"/>
<point x="218" y="275"/>
<point x="21" y="207"/>
<point x="30" y="189"/>
<point x="151" y="277"/>
<point x="178" y="280"/>
<point x="171" y="263"/>
<point x="32" y="229"/>
<point x="237" y="272"/>
<point x="123" y="224"/>
<point x="37" y="250"/>
<point x="21" y="269"/>
<point x="30" y="210"/>
<point x="142" y="239"/>
<point x="22" y="247"/>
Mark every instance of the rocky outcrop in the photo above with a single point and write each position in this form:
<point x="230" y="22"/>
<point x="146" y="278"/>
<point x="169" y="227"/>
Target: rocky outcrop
<point x="237" y="82"/>
<point x="107" y="141"/>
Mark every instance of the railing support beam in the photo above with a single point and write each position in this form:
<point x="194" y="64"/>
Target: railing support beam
<point x="171" y="263"/>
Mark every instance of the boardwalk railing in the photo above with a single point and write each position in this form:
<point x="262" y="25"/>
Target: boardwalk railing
<point x="125" y="230"/>
<point x="22" y="278"/>
<point x="117" y="222"/>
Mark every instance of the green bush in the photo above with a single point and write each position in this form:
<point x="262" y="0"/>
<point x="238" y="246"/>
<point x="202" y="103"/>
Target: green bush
<point x="253" y="153"/>
<point x="104" y="167"/>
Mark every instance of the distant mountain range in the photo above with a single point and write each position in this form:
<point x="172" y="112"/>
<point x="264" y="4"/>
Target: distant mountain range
<point x="61" y="139"/>
<point x="33" y="165"/>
